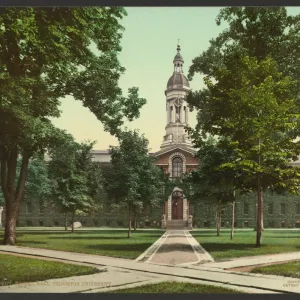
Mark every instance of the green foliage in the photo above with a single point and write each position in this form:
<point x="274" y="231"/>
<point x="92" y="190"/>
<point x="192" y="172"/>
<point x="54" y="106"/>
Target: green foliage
<point x="256" y="113"/>
<point x="209" y="181"/>
<point x="38" y="184"/>
<point x="74" y="176"/>
<point x="133" y="180"/>
<point x="45" y="55"/>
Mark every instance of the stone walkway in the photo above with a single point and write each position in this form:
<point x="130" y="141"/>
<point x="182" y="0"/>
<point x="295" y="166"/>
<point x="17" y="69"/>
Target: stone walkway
<point x="176" y="247"/>
<point x="122" y="273"/>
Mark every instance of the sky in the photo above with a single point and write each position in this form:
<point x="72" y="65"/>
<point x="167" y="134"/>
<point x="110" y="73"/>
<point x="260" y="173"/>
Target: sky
<point x="148" y="47"/>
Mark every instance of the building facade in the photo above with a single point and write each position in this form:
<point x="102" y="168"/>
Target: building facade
<point x="175" y="157"/>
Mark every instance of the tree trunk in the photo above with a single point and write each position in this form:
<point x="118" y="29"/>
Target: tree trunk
<point x="262" y="211"/>
<point x="10" y="221"/>
<point x="259" y="213"/>
<point x="66" y="221"/>
<point x="219" y="218"/>
<point x="1" y="210"/>
<point x="134" y="224"/>
<point x="232" y="222"/>
<point x="12" y="193"/>
<point x="129" y="219"/>
<point x="73" y="214"/>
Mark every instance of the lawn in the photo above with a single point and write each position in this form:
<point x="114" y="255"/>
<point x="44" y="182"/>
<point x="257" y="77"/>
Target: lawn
<point x="177" y="288"/>
<point x="243" y="243"/>
<point x="107" y="242"/>
<point x="14" y="269"/>
<point x="291" y="269"/>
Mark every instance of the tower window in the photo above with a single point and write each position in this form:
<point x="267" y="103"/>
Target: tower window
<point x="177" y="167"/>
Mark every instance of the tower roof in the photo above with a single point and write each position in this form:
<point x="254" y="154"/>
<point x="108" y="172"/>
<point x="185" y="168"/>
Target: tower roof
<point x="178" y="79"/>
<point x="178" y="56"/>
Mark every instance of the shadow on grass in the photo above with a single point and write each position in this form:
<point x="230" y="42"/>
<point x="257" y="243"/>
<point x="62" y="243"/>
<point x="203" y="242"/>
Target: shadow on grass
<point x="229" y="247"/>
<point x="21" y="243"/>
<point x="92" y="232"/>
<point x="283" y="237"/>
<point x="120" y="247"/>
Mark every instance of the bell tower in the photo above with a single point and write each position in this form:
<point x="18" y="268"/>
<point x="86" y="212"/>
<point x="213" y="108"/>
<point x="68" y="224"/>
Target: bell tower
<point x="176" y="106"/>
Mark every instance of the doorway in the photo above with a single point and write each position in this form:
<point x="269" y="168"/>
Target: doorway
<point x="177" y="206"/>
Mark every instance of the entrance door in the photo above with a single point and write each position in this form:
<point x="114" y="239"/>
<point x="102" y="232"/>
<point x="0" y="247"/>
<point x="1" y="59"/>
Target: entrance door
<point x="177" y="207"/>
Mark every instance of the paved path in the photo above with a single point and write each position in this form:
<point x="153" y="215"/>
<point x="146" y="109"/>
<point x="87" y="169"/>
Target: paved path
<point x="246" y="282"/>
<point x="177" y="247"/>
<point x="254" y="260"/>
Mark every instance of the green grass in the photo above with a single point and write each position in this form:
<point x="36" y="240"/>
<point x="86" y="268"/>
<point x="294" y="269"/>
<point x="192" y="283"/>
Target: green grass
<point x="291" y="269"/>
<point x="243" y="243"/>
<point x="177" y="288"/>
<point x="14" y="269"/>
<point x="105" y="242"/>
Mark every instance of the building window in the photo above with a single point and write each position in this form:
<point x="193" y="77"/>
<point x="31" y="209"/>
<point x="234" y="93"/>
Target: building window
<point x="177" y="167"/>
<point x="282" y="208"/>
<point x="29" y="207"/>
<point x="120" y="223"/>
<point x="42" y="207"/>
<point x="206" y="207"/>
<point x="206" y="224"/>
<point x="41" y="223"/>
<point x="298" y="208"/>
<point x="107" y="208"/>
<point x="246" y="224"/>
<point x="246" y="208"/>
<point x="270" y="208"/>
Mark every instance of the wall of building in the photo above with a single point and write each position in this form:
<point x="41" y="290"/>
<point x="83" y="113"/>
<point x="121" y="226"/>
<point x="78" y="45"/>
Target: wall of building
<point x="285" y="213"/>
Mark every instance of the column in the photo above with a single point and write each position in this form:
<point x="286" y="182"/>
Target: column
<point x="173" y="114"/>
<point x="185" y="216"/>
<point x="169" y="209"/>
<point x="168" y="113"/>
<point x="181" y="114"/>
<point x="187" y="115"/>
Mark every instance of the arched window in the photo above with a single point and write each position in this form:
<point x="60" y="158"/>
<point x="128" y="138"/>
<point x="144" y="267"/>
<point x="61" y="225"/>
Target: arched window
<point x="177" y="167"/>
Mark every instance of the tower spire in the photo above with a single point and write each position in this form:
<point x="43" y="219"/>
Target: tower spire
<point x="178" y="46"/>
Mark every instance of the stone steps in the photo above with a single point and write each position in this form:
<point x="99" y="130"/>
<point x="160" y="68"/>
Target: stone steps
<point x="177" y="224"/>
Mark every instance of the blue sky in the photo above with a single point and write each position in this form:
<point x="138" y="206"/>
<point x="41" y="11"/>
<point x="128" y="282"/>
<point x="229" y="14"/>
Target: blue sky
<point x="148" y="47"/>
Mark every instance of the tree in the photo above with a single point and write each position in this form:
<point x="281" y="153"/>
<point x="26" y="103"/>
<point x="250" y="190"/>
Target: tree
<point x="38" y="185"/>
<point x="256" y="111"/>
<point x="210" y="182"/>
<point x="71" y="170"/>
<point x="47" y="54"/>
<point x="256" y="32"/>
<point x="133" y="181"/>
